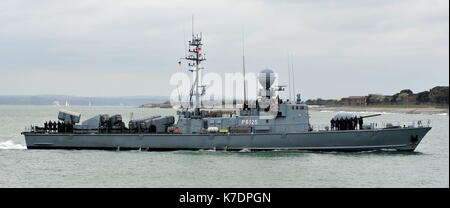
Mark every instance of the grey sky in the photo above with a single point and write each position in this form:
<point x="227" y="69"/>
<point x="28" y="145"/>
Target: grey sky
<point x="117" y="48"/>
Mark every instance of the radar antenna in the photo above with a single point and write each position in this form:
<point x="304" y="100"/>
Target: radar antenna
<point x="289" y="77"/>
<point x="293" y="76"/>
<point x="245" y="107"/>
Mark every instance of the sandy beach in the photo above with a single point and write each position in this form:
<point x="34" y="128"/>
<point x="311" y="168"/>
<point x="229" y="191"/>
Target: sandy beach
<point x="387" y="109"/>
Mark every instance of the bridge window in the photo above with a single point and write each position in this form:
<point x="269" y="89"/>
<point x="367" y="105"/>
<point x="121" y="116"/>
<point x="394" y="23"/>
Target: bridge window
<point x="302" y="107"/>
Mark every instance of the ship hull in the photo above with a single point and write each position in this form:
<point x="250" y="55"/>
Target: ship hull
<point x="404" y="139"/>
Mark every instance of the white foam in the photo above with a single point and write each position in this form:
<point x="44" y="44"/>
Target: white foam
<point x="441" y="114"/>
<point x="11" y="145"/>
<point x="245" y="150"/>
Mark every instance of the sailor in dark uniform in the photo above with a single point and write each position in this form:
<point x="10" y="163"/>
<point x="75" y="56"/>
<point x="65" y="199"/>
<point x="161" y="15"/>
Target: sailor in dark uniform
<point x="64" y="127"/>
<point x="360" y="122"/>
<point x="350" y="123"/>
<point x="332" y="124"/>
<point x="345" y="123"/>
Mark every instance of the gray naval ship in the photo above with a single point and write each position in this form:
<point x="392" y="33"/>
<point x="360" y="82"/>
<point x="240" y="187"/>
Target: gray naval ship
<point x="269" y="123"/>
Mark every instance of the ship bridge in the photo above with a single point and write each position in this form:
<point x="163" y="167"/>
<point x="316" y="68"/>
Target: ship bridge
<point x="270" y="114"/>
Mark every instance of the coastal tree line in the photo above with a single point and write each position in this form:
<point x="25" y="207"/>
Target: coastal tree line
<point x="438" y="95"/>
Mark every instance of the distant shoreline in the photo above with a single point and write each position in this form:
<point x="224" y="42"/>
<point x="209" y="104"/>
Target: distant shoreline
<point x="387" y="109"/>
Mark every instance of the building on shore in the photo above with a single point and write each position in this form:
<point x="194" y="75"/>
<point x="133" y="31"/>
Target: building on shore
<point x="354" y="100"/>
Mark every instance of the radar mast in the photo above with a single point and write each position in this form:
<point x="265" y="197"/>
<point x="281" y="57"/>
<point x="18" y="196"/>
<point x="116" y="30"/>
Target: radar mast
<point x="195" y="57"/>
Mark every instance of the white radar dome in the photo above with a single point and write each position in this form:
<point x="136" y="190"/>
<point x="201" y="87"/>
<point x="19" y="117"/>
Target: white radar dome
<point x="266" y="78"/>
<point x="344" y="115"/>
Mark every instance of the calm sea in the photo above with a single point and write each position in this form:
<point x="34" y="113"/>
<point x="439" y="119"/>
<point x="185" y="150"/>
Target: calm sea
<point x="19" y="167"/>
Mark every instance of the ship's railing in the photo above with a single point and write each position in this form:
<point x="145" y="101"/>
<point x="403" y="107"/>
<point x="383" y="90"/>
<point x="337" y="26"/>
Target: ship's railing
<point x="29" y="129"/>
<point x="41" y="130"/>
<point x="382" y="125"/>
<point x="406" y="124"/>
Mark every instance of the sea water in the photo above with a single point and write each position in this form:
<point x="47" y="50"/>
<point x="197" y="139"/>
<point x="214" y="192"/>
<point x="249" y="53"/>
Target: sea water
<point x="19" y="167"/>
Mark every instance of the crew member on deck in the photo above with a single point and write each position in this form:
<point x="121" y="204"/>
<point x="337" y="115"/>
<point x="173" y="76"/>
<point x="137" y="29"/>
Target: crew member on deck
<point x="345" y="123"/>
<point x="332" y="124"/>
<point x="360" y="122"/>
<point x="50" y="126"/>
<point x="54" y="126"/>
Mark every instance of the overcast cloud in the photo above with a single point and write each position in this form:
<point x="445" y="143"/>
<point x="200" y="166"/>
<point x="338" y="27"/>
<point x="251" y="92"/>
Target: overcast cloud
<point x="118" y="48"/>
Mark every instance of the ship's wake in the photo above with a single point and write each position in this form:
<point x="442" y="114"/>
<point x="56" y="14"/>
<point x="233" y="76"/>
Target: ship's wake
<point x="11" y="145"/>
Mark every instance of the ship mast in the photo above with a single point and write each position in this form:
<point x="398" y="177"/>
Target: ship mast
<point x="245" y="106"/>
<point x="196" y="57"/>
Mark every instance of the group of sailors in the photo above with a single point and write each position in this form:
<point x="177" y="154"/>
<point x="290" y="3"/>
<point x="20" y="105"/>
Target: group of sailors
<point x="347" y="123"/>
<point x="53" y="126"/>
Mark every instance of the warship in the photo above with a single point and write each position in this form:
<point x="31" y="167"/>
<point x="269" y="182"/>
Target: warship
<point x="269" y="123"/>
